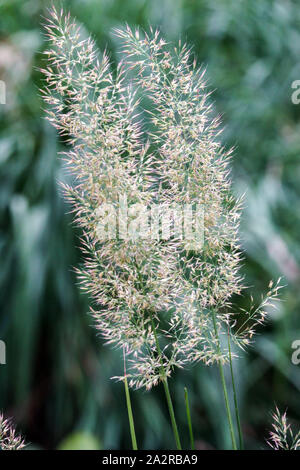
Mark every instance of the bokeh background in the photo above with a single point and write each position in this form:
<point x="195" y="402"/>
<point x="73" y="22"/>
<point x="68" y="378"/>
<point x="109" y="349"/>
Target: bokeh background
<point x="56" y="383"/>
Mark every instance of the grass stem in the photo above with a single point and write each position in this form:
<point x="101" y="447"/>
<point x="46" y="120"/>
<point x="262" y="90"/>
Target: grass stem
<point x="221" y="370"/>
<point x="167" y="390"/>
<point x="129" y="409"/>
<point x="188" y="414"/>
<point x="237" y="414"/>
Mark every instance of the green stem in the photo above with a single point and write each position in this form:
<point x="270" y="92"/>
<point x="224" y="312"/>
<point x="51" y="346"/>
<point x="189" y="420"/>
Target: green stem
<point x="129" y="409"/>
<point x="224" y="388"/>
<point x="164" y="378"/>
<point x="167" y="391"/>
<point x="237" y="414"/>
<point x="172" y="414"/>
<point x="188" y="414"/>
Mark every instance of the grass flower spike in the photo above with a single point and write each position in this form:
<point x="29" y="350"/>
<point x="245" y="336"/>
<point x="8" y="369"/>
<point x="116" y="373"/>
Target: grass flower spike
<point x="192" y="168"/>
<point x="9" y="439"/>
<point x="282" y="436"/>
<point x="129" y="282"/>
<point x="162" y="300"/>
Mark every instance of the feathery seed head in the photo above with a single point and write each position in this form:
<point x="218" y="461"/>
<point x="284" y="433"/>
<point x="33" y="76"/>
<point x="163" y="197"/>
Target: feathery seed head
<point x="282" y="436"/>
<point x="153" y="297"/>
<point x="9" y="439"/>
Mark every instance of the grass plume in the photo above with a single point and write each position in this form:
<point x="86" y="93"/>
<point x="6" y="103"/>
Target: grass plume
<point x="165" y="303"/>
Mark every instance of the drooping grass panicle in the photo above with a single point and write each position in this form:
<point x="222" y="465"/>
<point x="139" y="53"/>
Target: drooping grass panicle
<point x="256" y="315"/>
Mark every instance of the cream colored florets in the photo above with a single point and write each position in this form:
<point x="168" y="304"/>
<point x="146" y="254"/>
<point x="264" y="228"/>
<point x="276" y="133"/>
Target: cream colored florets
<point x="9" y="439"/>
<point x="148" y="289"/>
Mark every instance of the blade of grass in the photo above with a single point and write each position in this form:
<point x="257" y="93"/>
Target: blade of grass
<point x="188" y="414"/>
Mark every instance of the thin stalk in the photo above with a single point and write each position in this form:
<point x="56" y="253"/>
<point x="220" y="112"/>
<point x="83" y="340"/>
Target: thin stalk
<point x="172" y="414"/>
<point x="129" y="409"/>
<point x="224" y="388"/>
<point x="237" y="414"/>
<point x="165" y="379"/>
<point x="167" y="391"/>
<point x="188" y="415"/>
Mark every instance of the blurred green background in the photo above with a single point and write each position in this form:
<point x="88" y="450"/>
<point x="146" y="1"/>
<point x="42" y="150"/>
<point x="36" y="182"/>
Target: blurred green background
<point x="56" y="383"/>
